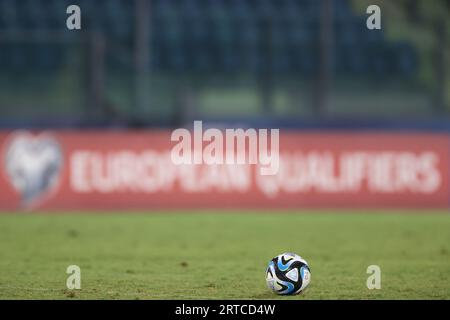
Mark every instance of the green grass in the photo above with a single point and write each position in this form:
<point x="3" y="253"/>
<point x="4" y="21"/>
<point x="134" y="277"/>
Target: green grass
<point x="189" y="255"/>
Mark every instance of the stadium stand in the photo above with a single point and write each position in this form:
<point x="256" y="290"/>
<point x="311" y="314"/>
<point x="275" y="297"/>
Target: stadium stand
<point x="201" y="36"/>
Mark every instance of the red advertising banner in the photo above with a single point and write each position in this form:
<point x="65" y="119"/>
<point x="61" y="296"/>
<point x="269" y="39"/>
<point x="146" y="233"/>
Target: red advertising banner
<point x="73" y="170"/>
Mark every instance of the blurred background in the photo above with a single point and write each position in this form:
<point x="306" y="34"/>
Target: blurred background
<point x="312" y="66"/>
<point x="277" y="63"/>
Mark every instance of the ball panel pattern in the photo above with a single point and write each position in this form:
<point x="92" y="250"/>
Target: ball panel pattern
<point x="288" y="274"/>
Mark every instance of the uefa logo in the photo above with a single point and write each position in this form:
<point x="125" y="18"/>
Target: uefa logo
<point x="33" y="165"/>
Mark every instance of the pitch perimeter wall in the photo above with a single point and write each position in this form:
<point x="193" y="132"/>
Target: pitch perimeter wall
<point x="113" y="170"/>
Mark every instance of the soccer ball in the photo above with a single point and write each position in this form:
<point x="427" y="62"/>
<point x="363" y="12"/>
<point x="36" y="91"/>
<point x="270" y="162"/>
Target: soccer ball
<point x="288" y="274"/>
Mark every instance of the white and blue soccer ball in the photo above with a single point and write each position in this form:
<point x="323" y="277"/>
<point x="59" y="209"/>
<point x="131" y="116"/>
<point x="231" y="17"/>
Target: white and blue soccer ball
<point x="288" y="274"/>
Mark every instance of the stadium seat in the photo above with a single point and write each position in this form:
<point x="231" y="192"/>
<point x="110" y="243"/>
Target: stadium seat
<point x="214" y="35"/>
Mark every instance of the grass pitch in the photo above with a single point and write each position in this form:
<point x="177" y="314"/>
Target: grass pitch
<point x="190" y="255"/>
